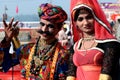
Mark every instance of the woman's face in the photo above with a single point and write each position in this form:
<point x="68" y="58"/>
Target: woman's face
<point x="85" y="23"/>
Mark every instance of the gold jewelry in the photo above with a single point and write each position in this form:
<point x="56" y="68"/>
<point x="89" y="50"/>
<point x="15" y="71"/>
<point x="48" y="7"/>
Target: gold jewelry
<point x="42" y="53"/>
<point x="83" y="43"/>
<point x="70" y="78"/>
<point x="38" y="62"/>
<point x="105" y="77"/>
<point x="88" y="39"/>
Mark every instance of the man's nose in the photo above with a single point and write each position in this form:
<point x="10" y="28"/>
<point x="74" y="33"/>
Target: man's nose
<point x="44" y="28"/>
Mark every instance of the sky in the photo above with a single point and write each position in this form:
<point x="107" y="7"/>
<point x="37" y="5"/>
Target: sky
<point x="28" y="7"/>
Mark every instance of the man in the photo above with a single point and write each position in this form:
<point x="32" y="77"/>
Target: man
<point x="46" y="59"/>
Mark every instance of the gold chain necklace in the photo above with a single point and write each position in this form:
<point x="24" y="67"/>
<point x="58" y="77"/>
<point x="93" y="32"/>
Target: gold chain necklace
<point x="88" y="39"/>
<point x="83" y="43"/>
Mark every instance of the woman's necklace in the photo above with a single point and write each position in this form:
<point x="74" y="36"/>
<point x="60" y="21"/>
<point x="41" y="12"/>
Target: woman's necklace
<point x="89" y="39"/>
<point x="87" y="44"/>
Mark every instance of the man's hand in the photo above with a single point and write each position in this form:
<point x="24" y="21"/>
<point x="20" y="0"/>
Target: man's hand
<point x="10" y="29"/>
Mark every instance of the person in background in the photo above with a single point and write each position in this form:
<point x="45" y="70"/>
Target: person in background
<point x="116" y="29"/>
<point x="67" y="26"/>
<point x="70" y="42"/>
<point x="45" y="59"/>
<point x="62" y="36"/>
<point x="96" y="50"/>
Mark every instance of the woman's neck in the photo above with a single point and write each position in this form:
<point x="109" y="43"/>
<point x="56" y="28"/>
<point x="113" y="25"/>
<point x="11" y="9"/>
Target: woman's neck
<point x="88" y="37"/>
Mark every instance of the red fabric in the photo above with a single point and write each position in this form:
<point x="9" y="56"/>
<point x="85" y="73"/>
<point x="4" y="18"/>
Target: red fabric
<point x="17" y="9"/>
<point x="8" y="76"/>
<point x="114" y="16"/>
<point x="103" y="30"/>
<point x="15" y="75"/>
<point x="52" y="13"/>
<point x="88" y="63"/>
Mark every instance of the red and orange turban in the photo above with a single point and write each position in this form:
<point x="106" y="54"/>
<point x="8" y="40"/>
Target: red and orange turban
<point x="52" y="13"/>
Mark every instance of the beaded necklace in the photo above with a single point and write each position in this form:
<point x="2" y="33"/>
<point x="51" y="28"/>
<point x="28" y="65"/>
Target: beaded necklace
<point x="42" y="53"/>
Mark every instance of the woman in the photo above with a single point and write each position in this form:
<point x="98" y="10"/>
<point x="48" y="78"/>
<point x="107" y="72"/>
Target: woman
<point x="96" y="50"/>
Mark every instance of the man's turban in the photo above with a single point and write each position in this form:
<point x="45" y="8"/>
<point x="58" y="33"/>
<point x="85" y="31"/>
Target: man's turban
<point x="52" y="13"/>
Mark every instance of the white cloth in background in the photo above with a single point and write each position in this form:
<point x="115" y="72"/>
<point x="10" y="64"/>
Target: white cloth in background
<point x="62" y="35"/>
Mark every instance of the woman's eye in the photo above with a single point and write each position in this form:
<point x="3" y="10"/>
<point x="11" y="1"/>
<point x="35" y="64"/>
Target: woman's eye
<point x="80" y="19"/>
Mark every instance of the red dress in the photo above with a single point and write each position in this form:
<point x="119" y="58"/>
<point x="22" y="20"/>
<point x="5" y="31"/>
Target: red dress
<point x="88" y="62"/>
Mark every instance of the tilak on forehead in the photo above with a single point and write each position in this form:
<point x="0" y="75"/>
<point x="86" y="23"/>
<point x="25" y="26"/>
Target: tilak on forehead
<point x="52" y="13"/>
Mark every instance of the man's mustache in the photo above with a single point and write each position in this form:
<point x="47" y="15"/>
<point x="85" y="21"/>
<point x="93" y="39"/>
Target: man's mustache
<point x="44" y="32"/>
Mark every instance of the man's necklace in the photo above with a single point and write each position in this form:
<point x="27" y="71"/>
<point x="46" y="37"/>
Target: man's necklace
<point x="44" y="53"/>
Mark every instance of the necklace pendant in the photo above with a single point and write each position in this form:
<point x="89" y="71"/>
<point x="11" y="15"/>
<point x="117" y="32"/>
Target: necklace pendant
<point x="41" y="62"/>
<point x="38" y="62"/>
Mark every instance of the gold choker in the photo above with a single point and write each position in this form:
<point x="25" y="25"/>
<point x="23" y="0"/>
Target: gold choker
<point x="88" y="39"/>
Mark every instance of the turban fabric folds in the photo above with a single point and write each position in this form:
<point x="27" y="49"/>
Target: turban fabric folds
<point x="52" y="13"/>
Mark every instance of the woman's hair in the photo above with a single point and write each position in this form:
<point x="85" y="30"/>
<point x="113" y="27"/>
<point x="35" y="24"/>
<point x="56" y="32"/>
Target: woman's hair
<point x="81" y="10"/>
